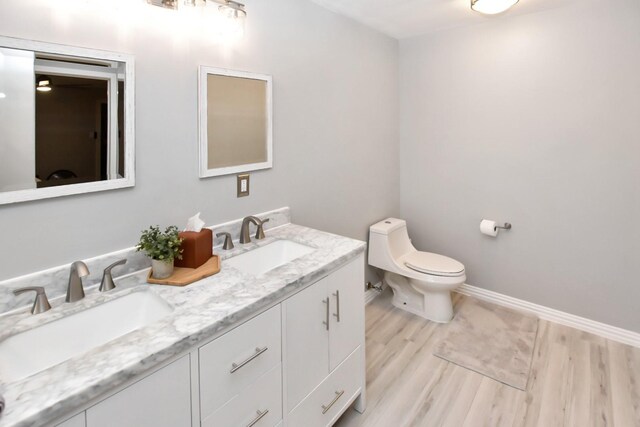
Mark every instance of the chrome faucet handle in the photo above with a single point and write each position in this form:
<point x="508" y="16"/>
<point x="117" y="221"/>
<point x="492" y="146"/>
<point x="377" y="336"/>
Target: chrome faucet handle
<point x="107" y="279"/>
<point x="228" y="243"/>
<point x="41" y="303"/>
<point x="75" y="291"/>
<point x="260" y="230"/>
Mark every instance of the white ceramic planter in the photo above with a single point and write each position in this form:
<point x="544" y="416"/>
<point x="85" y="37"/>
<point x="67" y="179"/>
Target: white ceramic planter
<point x="161" y="269"/>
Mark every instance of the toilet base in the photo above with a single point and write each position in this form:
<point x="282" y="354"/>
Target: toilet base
<point x="431" y="305"/>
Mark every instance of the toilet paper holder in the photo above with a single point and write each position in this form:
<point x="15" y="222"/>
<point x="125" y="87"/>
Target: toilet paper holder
<point x="506" y="226"/>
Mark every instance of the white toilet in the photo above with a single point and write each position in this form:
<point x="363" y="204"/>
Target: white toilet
<point x="421" y="281"/>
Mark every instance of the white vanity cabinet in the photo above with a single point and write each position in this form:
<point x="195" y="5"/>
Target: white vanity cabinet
<point x="300" y="363"/>
<point x="324" y="346"/>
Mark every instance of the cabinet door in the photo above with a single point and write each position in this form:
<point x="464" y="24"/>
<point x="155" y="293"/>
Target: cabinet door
<point x="346" y="292"/>
<point x="163" y="399"/>
<point x="77" y="421"/>
<point x="307" y="341"/>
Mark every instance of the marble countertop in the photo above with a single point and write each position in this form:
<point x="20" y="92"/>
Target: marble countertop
<point x="200" y="312"/>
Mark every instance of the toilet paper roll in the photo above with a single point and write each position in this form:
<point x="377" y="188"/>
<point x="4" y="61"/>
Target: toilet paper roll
<point x="489" y="228"/>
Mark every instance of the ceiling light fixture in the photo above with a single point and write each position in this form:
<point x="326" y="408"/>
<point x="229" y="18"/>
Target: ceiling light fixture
<point x="43" y="84"/>
<point x="492" y="7"/>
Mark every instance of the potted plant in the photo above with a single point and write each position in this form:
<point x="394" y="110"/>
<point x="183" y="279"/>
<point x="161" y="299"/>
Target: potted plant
<point x="162" y="248"/>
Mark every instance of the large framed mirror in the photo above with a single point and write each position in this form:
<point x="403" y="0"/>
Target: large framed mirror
<point x="66" y="120"/>
<point x="235" y="121"/>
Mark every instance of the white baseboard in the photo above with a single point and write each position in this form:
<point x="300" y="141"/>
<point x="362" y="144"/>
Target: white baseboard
<point x="370" y="294"/>
<point x="601" y="329"/>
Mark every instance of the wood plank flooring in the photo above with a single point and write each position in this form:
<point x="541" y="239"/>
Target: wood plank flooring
<point x="577" y="379"/>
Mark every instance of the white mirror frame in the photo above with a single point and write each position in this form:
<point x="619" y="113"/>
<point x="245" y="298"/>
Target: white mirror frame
<point x="202" y="109"/>
<point x="129" y="125"/>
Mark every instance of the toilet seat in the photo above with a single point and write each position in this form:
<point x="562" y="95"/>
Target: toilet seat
<point x="433" y="264"/>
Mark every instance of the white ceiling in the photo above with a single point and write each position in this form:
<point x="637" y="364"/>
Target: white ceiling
<point x="407" y="18"/>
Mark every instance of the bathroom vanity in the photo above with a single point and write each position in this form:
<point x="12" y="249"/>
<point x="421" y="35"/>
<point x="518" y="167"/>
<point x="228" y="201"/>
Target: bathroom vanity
<point x="284" y="347"/>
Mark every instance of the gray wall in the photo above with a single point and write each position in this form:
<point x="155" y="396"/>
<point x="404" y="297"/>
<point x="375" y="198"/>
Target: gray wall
<point x="335" y="125"/>
<point x="535" y="120"/>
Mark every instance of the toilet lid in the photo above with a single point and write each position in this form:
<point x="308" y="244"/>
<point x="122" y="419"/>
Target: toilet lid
<point x="438" y="265"/>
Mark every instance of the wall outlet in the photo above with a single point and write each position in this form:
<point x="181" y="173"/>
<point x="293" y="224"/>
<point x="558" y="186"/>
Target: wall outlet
<point x="243" y="185"/>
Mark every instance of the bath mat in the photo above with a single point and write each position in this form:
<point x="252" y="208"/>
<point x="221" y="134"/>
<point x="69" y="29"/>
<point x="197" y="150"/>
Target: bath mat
<point x="493" y="341"/>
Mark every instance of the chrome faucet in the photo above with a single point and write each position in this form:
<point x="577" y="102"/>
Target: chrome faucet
<point x="75" y="291"/>
<point x="244" y="230"/>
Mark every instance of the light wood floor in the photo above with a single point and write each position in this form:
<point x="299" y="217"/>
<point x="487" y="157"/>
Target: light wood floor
<point x="577" y="379"/>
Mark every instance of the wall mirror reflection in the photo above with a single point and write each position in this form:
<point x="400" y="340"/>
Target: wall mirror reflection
<point x="235" y="121"/>
<point x="66" y="120"/>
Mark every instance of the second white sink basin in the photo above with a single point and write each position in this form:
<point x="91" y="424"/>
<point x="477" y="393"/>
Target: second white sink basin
<point x="44" y="346"/>
<point x="268" y="257"/>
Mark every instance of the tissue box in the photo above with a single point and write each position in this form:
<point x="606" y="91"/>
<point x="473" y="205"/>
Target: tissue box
<point x="197" y="248"/>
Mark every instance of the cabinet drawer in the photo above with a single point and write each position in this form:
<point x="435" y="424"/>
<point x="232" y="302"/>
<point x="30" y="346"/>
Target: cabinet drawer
<point x="260" y="403"/>
<point x="236" y="359"/>
<point x="331" y="397"/>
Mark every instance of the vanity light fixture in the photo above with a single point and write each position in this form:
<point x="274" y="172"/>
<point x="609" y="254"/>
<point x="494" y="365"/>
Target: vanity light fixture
<point x="169" y="4"/>
<point x="492" y="7"/>
<point x="231" y="14"/>
<point x="232" y="9"/>
<point x="43" y="84"/>
<point x="229" y="8"/>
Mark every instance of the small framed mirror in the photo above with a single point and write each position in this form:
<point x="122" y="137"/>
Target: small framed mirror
<point x="235" y="121"/>
<point x="66" y="120"/>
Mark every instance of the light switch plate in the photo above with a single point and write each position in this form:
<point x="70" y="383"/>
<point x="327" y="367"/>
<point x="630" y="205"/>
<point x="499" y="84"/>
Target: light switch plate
<point x="243" y="185"/>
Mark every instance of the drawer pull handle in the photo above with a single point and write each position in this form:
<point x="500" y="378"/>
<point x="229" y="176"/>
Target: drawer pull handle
<point x="326" y="408"/>
<point x="326" y="322"/>
<point x="258" y="418"/>
<point x="337" y="314"/>
<point x="259" y="351"/>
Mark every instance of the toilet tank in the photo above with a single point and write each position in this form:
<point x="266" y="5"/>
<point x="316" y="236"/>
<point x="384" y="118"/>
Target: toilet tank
<point x="388" y="241"/>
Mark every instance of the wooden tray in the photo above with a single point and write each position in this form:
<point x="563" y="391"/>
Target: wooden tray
<point x="184" y="276"/>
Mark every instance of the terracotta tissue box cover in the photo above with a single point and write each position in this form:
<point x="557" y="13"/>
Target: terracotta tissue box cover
<point x="197" y="248"/>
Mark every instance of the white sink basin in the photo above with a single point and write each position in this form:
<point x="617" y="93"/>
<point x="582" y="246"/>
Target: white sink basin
<point x="261" y="260"/>
<point x="42" y="347"/>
